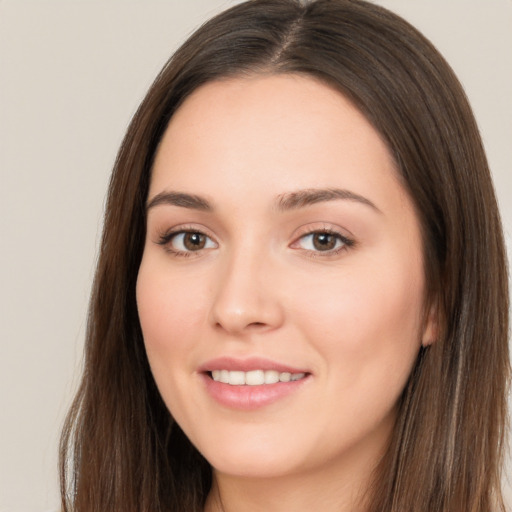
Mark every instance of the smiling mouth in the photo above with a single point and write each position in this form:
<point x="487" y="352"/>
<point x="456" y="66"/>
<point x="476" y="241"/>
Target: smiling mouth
<point x="251" y="384"/>
<point x="254" y="377"/>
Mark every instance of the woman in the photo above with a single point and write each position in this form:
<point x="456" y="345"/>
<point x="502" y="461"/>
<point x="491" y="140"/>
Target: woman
<point x="301" y="295"/>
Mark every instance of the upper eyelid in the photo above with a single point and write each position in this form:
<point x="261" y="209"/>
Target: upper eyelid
<point x="186" y="228"/>
<point x="347" y="242"/>
<point x="322" y="227"/>
<point x="166" y="238"/>
<point x="302" y="231"/>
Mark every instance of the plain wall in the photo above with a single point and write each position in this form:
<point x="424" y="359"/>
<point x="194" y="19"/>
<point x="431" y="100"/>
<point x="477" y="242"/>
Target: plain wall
<point x="71" y="76"/>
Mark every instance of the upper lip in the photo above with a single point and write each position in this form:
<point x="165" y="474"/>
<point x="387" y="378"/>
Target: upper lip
<point x="247" y="365"/>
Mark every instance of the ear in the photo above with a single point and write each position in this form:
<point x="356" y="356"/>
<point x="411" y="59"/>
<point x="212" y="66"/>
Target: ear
<point x="431" y="325"/>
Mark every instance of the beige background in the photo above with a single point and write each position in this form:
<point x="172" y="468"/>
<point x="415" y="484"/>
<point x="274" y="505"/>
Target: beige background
<point x="71" y="75"/>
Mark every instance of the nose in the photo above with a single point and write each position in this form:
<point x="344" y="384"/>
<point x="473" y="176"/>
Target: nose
<point x="246" y="296"/>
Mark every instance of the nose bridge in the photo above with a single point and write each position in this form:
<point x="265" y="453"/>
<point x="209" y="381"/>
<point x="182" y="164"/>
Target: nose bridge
<point x="244" y="297"/>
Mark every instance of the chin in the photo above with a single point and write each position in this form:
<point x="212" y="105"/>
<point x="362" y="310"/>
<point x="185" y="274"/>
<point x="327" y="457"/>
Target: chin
<point x="258" y="468"/>
<point x="254" y="456"/>
<point x="252" y="451"/>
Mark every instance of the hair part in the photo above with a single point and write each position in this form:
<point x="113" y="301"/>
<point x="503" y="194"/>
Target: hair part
<point x="121" y="449"/>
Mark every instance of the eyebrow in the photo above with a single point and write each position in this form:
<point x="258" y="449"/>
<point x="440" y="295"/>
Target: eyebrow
<point x="181" y="199"/>
<point x="287" y="201"/>
<point x="308" y="197"/>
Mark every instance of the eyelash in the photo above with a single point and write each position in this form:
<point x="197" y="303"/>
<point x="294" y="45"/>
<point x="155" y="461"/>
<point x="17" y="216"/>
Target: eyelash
<point x="346" y="243"/>
<point x="166" y="238"/>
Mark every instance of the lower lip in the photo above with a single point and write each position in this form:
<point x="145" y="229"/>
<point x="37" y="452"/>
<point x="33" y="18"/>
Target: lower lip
<point x="249" y="398"/>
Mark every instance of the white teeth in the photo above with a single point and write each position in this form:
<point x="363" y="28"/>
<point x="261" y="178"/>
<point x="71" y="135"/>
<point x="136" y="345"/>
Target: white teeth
<point x="254" y="377"/>
<point x="285" y="377"/>
<point x="237" y="378"/>
<point x="271" y="377"/>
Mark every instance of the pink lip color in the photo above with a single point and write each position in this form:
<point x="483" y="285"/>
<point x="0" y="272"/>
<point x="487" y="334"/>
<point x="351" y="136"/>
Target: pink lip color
<point x="248" y="398"/>
<point x="246" y="365"/>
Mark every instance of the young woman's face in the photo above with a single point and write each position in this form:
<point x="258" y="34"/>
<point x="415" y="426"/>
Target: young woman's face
<point x="281" y="288"/>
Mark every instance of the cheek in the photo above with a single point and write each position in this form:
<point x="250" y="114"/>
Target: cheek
<point x="367" y="323"/>
<point x="170" y="312"/>
<point x="368" y="332"/>
<point x="171" y="315"/>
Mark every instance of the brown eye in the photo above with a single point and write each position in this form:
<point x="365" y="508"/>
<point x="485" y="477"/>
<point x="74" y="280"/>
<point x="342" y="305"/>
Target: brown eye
<point x="324" y="241"/>
<point x="189" y="241"/>
<point x="194" y="241"/>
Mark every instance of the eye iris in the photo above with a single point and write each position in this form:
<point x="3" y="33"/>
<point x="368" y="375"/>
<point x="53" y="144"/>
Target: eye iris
<point x="194" y="241"/>
<point x="324" y="241"/>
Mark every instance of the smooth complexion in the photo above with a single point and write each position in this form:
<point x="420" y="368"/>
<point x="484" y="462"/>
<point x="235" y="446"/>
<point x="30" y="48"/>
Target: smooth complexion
<point x="279" y="238"/>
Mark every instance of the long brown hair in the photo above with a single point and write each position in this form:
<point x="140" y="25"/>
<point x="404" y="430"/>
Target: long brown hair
<point x="121" y="449"/>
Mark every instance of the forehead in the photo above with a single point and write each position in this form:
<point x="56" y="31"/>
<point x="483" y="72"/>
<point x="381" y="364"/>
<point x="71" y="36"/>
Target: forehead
<point x="262" y="104"/>
<point x="271" y="134"/>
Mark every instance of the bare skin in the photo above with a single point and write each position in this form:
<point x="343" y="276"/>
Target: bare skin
<point x="279" y="235"/>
